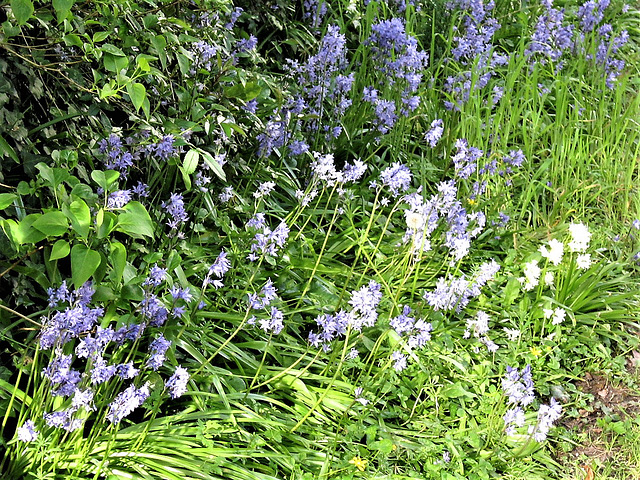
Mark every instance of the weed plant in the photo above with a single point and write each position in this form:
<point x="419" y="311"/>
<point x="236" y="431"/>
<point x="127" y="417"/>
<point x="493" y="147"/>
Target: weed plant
<point x="351" y="239"/>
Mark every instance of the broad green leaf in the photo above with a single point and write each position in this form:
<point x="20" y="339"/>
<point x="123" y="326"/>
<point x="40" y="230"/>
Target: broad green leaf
<point x="22" y="10"/>
<point x="114" y="64"/>
<point x="135" y="221"/>
<point x="118" y="261"/>
<point x="214" y="165"/>
<point x="84" y="262"/>
<point x="72" y="39"/>
<point x="6" y="149"/>
<point x="60" y="250"/>
<point x="112" y="49"/>
<point x="6" y="199"/>
<point x="62" y="8"/>
<point x="183" y="63"/>
<point x="100" y="36"/>
<point x="105" y="179"/>
<point x="160" y="44"/>
<point x="137" y="94"/>
<point x="106" y="222"/>
<point x="108" y="91"/>
<point x="52" y="176"/>
<point x="11" y="228"/>
<point x="80" y="216"/>
<point x="190" y="162"/>
<point x="52" y="224"/>
<point x="26" y="233"/>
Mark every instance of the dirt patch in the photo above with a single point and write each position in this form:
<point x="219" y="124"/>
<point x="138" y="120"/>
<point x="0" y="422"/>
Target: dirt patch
<point x="616" y="402"/>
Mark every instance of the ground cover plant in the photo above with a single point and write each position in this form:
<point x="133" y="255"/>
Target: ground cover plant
<point x="318" y="239"/>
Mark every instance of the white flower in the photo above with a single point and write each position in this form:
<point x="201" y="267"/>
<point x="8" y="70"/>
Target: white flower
<point x="554" y="253"/>
<point x="548" y="279"/>
<point x="583" y="261"/>
<point x="532" y="274"/>
<point x="558" y="316"/>
<point x="548" y="312"/>
<point x="415" y="221"/>
<point x="580" y="237"/>
<point x="512" y="333"/>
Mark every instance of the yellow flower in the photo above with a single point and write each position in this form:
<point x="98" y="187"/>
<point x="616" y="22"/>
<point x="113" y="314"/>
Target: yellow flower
<point x="535" y="351"/>
<point x="359" y="463"/>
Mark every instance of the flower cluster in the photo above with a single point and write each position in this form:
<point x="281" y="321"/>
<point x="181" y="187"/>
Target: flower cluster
<point x="518" y="387"/>
<point x="551" y="38"/>
<point x="418" y="331"/>
<point x="273" y="321"/>
<point x="268" y="242"/>
<point x="77" y="375"/>
<point x="478" y="326"/>
<point x="397" y="57"/>
<point x="364" y="303"/>
<point x="456" y="293"/>
<point x="474" y="51"/>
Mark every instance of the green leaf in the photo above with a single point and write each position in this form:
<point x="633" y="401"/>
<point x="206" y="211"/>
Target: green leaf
<point x="72" y="40"/>
<point x="455" y="390"/>
<point x="25" y="232"/>
<point x="213" y="164"/>
<point x="84" y="262"/>
<point x="118" y="261"/>
<point x="190" y="162"/>
<point x="6" y="199"/>
<point x="160" y="44"/>
<point x="112" y="49"/>
<point x="22" y="10"/>
<point x="106" y="222"/>
<point x="114" y="64"/>
<point x="62" y="8"/>
<point x="135" y="221"/>
<point x="60" y="250"/>
<point x="52" y="224"/>
<point x="137" y="94"/>
<point x="105" y="179"/>
<point x="52" y="176"/>
<point x="6" y="149"/>
<point x="80" y="216"/>
<point x="185" y="177"/>
<point x="100" y="36"/>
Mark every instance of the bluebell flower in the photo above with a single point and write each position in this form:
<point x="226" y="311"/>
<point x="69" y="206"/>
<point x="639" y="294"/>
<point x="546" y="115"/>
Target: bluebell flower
<point x="158" y="349"/>
<point x="175" y="208"/>
<point x="156" y="276"/>
<point x="119" y="198"/>
<point x="435" y="132"/>
<point x="397" y="177"/>
<point x="101" y="372"/>
<point x="27" y="432"/>
<point x="177" y="383"/>
<point x="126" y="402"/>
<point x="246" y="44"/>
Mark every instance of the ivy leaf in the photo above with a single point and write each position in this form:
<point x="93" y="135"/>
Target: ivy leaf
<point x="84" y="262"/>
<point x="22" y="10"/>
<point x="135" y="221"/>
